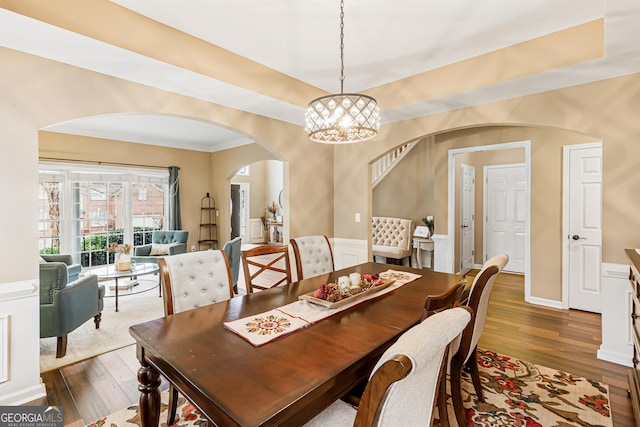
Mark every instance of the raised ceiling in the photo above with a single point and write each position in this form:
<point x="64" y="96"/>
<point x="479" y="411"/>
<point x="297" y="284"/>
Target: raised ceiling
<point x="396" y="51"/>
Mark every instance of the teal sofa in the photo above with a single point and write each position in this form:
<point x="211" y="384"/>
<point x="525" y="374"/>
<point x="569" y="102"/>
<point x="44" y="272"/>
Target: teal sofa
<point x="65" y="304"/>
<point x="169" y="242"/>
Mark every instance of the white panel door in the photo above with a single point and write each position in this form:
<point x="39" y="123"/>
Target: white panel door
<point x="505" y="214"/>
<point x="585" y="228"/>
<point x="467" y="217"/>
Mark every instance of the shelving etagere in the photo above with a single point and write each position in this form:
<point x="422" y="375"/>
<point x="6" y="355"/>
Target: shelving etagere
<point x="208" y="236"/>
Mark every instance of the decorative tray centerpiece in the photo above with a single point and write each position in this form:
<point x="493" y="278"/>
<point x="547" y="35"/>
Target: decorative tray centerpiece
<point x="346" y="290"/>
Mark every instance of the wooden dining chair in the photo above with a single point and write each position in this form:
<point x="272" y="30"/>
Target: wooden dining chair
<point x="432" y="305"/>
<point x="266" y="267"/>
<point x="192" y="280"/>
<point x="402" y="388"/>
<point x="313" y="256"/>
<point x="463" y="349"/>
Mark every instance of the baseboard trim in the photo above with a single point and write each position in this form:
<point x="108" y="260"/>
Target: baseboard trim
<point x="545" y="302"/>
<point x="614" y="357"/>
<point x="26" y="395"/>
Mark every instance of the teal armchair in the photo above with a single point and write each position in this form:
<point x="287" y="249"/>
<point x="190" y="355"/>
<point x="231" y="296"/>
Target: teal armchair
<point x="73" y="270"/>
<point x="163" y="243"/>
<point x="232" y="250"/>
<point x="65" y="305"/>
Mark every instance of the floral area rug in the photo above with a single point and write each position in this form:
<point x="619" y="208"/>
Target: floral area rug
<point x="186" y="415"/>
<point x="520" y="393"/>
<point x="517" y="393"/>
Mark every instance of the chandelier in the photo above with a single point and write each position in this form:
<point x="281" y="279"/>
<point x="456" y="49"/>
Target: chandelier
<point x="345" y="117"/>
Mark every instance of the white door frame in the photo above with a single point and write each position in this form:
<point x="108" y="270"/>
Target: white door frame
<point x="247" y="187"/>
<point x="464" y="167"/>
<point x="565" y="214"/>
<point x="451" y="200"/>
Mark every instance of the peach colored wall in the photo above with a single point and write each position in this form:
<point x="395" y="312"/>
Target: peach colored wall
<point x="604" y="110"/>
<point x="407" y="191"/>
<point x="37" y="92"/>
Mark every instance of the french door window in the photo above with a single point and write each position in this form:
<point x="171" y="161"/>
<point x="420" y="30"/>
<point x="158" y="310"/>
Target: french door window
<point x="83" y="209"/>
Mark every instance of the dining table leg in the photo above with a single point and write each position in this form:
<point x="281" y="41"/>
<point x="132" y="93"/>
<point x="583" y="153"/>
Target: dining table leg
<point x="149" y="381"/>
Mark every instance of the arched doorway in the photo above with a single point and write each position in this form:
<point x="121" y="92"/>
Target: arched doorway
<point x="256" y="204"/>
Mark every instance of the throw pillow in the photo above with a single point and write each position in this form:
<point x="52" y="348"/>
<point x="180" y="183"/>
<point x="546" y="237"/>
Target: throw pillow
<point x="159" y="249"/>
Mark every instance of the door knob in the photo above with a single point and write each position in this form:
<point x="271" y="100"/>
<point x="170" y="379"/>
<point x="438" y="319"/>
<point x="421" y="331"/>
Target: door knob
<point x="576" y="237"/>
<point x="465" y="226"/>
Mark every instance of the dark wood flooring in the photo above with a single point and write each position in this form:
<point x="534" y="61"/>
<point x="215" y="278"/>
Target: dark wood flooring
<point x="562" y="339"/>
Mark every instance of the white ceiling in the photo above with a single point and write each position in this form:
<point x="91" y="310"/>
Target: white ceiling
<point x="385" y="41"/>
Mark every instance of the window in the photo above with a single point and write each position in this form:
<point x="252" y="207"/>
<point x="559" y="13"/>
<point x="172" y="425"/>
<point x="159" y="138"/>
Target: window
<point x="49" y="214"/>
<point x="244" y="171"/>
<point x="83" y="209"/>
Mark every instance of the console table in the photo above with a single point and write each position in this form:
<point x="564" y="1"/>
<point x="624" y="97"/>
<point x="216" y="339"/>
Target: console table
<point x="423" y="244"/>
<point x="275" y="232"/>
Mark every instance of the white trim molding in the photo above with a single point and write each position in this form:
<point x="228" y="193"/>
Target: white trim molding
<point x="349" y="252"/>
<point x="442" y="262"/>
<point x="20" y="343"/>
<point x="4" y="347"/>
<point x="617" y="344"/>
<point x="526" y="145"/>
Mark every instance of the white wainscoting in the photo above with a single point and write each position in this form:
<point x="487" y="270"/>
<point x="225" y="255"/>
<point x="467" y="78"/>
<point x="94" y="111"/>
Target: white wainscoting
<point x="256" y="230"/>
<point x="442" y="252"/>
<point x="616" y="346"/>
<point x="4" y="348"/>
<point x="349" y="252"/>
<point x="20" y="343"/>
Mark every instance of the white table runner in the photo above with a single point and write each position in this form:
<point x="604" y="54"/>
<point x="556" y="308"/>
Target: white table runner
<point x="262" y="328"/>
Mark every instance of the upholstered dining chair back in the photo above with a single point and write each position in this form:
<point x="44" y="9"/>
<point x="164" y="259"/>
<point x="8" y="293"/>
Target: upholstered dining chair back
<point x="313" y="256"/>
<point x="479" y="299"/>
<point x="232" y="249"/>
<point x="194" y="279"/>
<point x="433" y="305"/>
<point x="266" y="266"/>
<point x="402" y="388"/>
<point x="464" y="349"/>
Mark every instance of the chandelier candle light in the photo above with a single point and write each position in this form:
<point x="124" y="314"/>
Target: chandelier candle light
<point x="342" y="118"/>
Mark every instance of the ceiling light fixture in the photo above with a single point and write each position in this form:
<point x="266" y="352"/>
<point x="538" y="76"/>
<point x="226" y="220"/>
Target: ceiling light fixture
<point x="342" y="118"/>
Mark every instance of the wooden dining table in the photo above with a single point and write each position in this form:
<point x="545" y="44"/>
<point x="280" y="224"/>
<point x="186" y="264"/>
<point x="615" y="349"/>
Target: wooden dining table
<point x="286" y="381"/>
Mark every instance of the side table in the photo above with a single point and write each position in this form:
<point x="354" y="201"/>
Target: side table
<point x="423" y="244"/>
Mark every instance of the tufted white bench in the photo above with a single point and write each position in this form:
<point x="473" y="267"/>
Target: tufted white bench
<point x="391" y="238"/>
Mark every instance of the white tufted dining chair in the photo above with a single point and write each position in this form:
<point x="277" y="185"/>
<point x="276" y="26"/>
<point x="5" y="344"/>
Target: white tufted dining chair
<point x="463" y="348"/>
<point x="313" y="256"/>
<point x="402" y="388"/>
<point x="192" y="280"/>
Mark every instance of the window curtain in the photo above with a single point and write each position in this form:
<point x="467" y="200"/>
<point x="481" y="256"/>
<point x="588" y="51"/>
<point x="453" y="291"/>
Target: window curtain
<point x="175" y="219"/>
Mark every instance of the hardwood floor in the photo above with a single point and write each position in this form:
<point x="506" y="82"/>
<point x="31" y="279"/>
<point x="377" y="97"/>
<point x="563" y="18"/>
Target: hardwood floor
<point x="562" y="339"/>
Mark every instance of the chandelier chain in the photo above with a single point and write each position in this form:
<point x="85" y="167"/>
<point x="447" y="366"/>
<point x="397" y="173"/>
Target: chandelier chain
<point x="341" y="46"/>
<point x="342" y="118"/>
